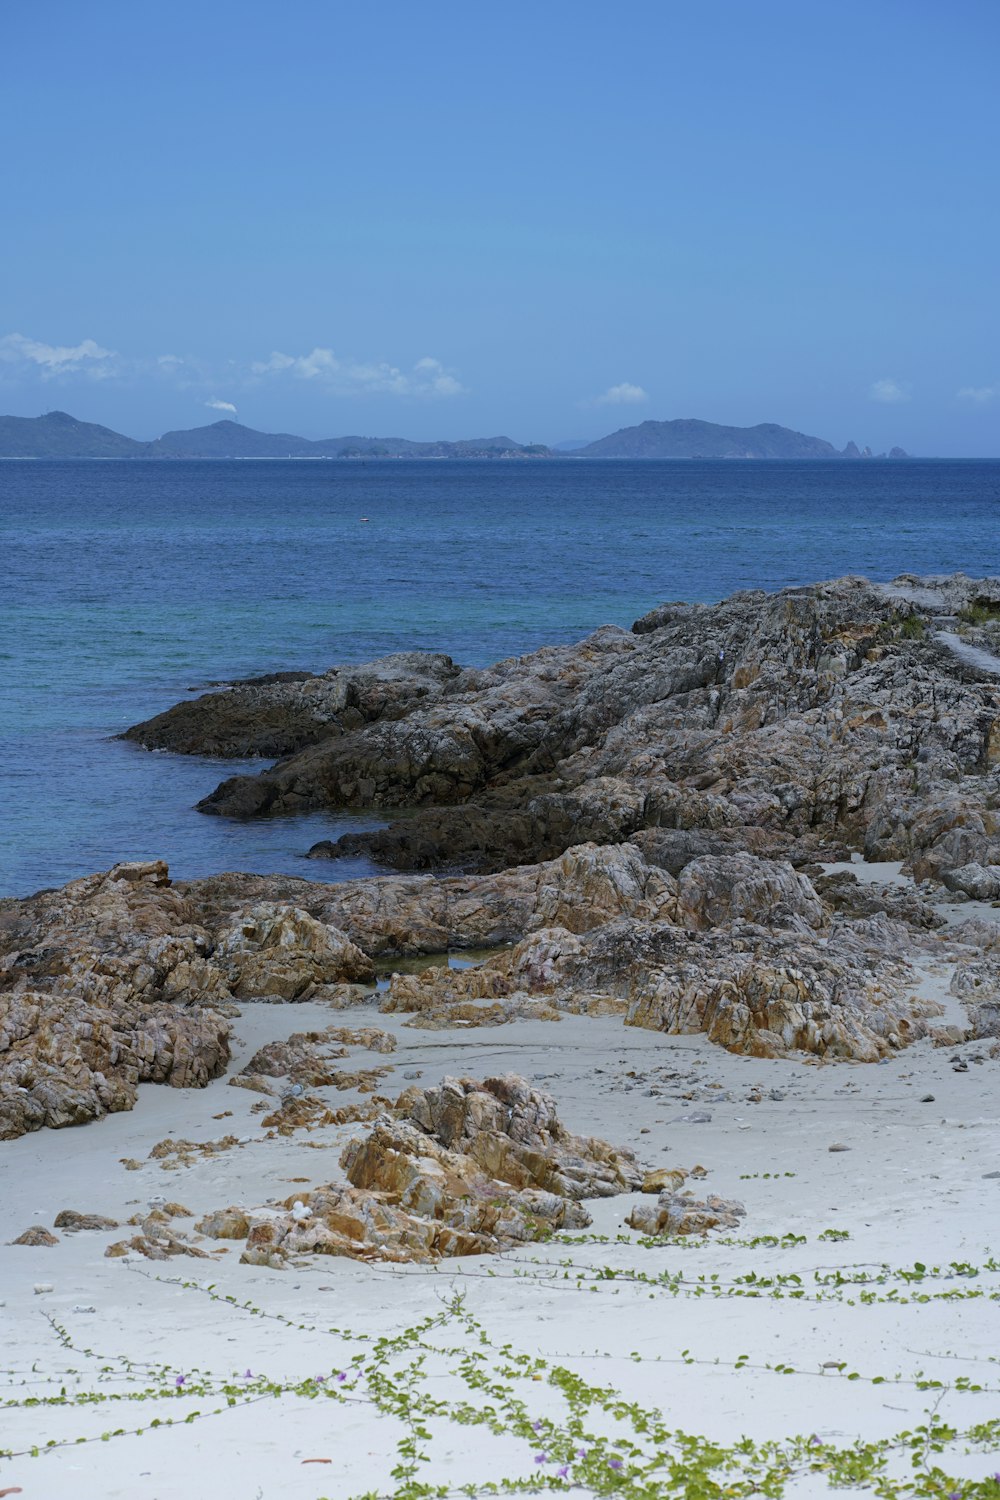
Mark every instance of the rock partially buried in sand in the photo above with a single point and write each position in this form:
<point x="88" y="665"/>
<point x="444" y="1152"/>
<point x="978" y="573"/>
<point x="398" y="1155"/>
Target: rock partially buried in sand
<point x="36" y="1235"/>
<point x="678" y="1213"/>
<point x="69" y="1219"/>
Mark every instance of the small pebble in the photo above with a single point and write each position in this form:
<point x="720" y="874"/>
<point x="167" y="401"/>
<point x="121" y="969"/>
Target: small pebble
<point x="413" y="1073"/>
<point x="927" y="1099"/>
<point x="838" y="1146"/>
<point x="43" y="1286"/>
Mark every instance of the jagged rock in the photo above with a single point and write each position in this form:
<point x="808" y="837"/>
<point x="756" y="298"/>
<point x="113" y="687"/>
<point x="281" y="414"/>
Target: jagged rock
<point x="281" y="950"/>
<point x="304" y="1058"/>
<point x="678" y="1213"/>
<point x="463" y="1169"/>
<point x="66" y="1061"/>
<point x="36" y="1235"/>
<point x="307" y="1113"/>
<point x="512" y="1131"/>
<point x="845" y="893"/>
<point x="750" y="988"/>
<point x="163" y="1247"/>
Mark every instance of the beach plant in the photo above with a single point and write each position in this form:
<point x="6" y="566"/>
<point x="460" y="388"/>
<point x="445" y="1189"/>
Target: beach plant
<point x="585" y="1437"/>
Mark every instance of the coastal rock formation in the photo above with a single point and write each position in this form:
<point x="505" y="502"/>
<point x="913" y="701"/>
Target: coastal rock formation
<point x="797" y="725"/>
<point x="287" y="711"/>
<point x="766" y="991"/>
<point x="276" y="949"/>
<point x="463" y="1169"/>
<point x="115" y="980"/>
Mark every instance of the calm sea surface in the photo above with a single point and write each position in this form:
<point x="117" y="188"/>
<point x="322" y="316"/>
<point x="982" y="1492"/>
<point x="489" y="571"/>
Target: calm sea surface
<point x="126" y="585"/>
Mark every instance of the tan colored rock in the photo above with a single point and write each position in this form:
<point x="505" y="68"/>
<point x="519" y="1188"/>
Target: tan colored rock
<point x="679" y="1213"/>
<point x="513" y="1133"/>
<point x="276" y="949"/>
<point x="664" y="1180"/>
<point x="36" y="1235"/>
<point x="225" y="1224"/>
<point x="458" y="1170"/>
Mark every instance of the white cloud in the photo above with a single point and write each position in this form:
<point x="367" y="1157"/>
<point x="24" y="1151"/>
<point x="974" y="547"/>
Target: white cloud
<point x="222" y="406"/>
<point x="50" y="360"/>
<point x="889" y="391"/>
<point x="980" y="395"/>
<point x="346" y="377"/>
<point x="620" y="395"/>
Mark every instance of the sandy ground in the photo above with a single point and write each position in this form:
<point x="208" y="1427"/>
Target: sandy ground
<point x="918" y="1182"/>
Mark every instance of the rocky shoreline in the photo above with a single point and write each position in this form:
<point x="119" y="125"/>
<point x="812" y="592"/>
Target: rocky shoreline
<point x="642" y="824"/>
<point x="689" y="970"/>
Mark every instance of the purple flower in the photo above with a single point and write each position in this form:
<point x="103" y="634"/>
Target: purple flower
<point x="581" y="1453"/>
<point x="563" y="1473"/>
<point x="615" y="1463"/>
<point x="536" y="1426"/>
<point x="341" y="1376"/>
<point x="180" y="1381"/>
<point x="247" y="1374"/>
<point x="541" y="1458"/>
<point x="955" y="1495"/>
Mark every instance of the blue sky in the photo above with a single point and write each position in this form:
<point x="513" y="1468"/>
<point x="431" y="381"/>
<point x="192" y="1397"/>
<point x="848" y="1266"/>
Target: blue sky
<point x="548" y="219"/>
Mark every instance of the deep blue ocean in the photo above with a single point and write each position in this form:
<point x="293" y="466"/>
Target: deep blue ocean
<point x="125" y="586"/>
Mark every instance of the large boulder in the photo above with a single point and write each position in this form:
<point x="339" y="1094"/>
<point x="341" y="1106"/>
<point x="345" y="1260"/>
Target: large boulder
<point x="278" y="949"/>
<point x="716" y="889"/>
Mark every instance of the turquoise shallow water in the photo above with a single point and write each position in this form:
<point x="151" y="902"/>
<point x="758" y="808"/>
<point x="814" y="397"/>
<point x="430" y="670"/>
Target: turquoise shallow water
<point x="126" y="584"/>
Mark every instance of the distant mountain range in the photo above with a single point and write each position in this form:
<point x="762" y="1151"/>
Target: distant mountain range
<point x="58" y="435"/>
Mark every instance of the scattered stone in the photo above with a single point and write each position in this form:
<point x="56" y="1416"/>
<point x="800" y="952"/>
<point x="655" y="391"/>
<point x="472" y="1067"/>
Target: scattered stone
<point x="664" y="1179"/>
<point x="36" y="1235"/>
<point x="68" y="1218"/>
<point x="838" y="1146"/>
<point x="679" y="1213"/>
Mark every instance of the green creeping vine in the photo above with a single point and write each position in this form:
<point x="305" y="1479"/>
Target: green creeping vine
<point x="600" y="1442"/>
<point x="829" y="1285"/>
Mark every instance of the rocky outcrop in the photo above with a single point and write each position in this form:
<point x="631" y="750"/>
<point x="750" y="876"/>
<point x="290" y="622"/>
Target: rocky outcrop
<point x="120" y="979"/>
<point x="276" y="949"/>
<point x="463" y="1169"/>
<point x="792" y="725"/>
<point x="287" y="711"/>
<point x="765" y="991"/>
<point x="64" y="1061"/>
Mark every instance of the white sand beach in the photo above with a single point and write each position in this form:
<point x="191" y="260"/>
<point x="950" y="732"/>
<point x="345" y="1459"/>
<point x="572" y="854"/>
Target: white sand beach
<point x="838" y="1339"/>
